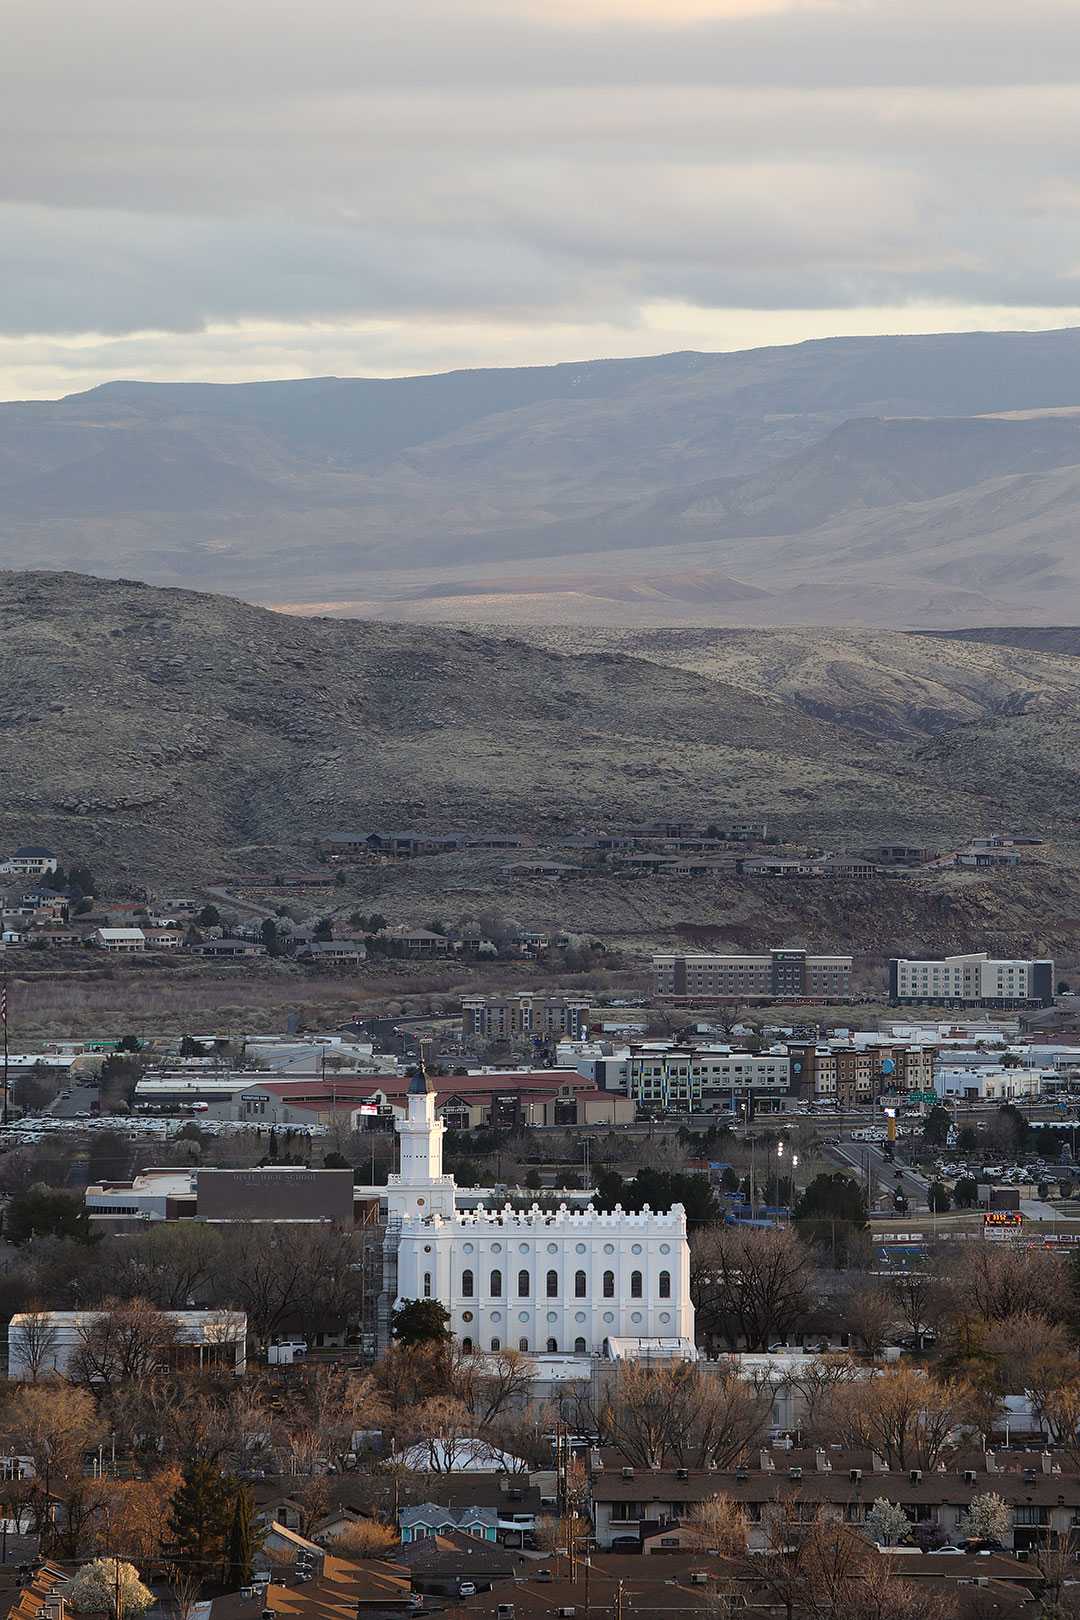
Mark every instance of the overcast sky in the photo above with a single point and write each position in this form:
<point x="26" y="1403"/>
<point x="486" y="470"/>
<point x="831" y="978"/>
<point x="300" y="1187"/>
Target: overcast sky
<point x="231" y="189"/>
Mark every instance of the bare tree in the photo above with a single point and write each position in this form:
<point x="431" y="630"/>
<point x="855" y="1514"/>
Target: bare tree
<point x="817" y="1383"/>
<point x="123" y="1342"/>
<point x="998" y="1281"/>
<point x="750" y="1287"/>
<point x="365" y="1538"/>
<point x="909" y="1420"/>
<point x="720" y="1525"/>
<point x="920" y="1301"/>
<point x="679" y="1414"/>
<point x="488" y="1384"/>
<point x="33" y="1342"/>
<point x="870" y="1312"/>
<point x="442" y="1428"/>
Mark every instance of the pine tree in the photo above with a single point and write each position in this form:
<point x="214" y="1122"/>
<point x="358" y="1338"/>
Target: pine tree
<point x="200" y="1517"/>
<point x="240" y="1547"/>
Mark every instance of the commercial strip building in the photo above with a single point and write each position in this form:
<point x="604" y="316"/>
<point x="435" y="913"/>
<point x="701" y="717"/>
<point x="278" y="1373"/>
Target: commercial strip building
<point x="663" y="1077"/>
<point x="777" y="975"/>
<point x="972" y="980"/>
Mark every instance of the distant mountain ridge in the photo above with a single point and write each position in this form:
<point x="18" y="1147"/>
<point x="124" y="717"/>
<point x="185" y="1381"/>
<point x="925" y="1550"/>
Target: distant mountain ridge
<point x="900" y="481"/>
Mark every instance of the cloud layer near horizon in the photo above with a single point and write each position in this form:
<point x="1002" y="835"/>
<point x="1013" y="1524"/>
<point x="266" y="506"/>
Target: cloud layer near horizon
<point x="235" y="190"/>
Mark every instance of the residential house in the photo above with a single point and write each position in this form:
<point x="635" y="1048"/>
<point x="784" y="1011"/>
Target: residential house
<point x="419" y="941"/>
<point x="164" y="938"/>
<point x="30" y="861"/>
<point x="124" y="940"/>
<point x="432" y="1519"/>
<point x="538" y="869"/>
<point x="333" y="952"/>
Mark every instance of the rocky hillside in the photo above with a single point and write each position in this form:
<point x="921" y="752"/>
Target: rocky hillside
<point x="179" y="734"/>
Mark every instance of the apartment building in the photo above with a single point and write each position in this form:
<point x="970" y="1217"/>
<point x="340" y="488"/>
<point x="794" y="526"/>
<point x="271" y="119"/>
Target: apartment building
<point x="520" y="1017"/>
<point x="662" y="1078"/>
<point x="1041" y="1491"/>
<point x="780" y="974"/>
<point x="859" y="1073"/>
<point x="972" y="980"/>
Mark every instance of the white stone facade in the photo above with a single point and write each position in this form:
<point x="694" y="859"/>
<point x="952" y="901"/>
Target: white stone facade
<point x="551" y="1280"/>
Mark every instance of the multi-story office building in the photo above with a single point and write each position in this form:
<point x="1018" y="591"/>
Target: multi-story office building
<point x="776" y="975"/>
<point x="518" y="1018"/>
<point x="972" y="980"/>
<point x="663" y="1078"/>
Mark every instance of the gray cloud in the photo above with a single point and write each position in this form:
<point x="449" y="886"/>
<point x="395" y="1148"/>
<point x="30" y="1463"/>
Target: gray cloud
<point x="515" y="169"/>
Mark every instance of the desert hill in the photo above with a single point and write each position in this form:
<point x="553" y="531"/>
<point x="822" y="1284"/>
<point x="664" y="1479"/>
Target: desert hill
<point x="179" y="729"/>
<point x="915" y="481"/>
<point x="169" y="735"/>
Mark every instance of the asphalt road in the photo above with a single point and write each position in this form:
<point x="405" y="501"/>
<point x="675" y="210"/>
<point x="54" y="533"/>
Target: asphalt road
<point x="857" y="1156"/>
<point x="82" y="1096"/>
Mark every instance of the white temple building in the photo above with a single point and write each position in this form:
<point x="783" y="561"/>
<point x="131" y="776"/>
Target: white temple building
<point x="541" y="1280"/>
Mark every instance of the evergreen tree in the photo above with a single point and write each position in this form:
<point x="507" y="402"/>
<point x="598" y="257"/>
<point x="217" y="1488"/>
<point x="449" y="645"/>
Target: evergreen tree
<point x="240" y="1546"/>
<point x="201" y="1516"/>
<point x="420" y="1320"/>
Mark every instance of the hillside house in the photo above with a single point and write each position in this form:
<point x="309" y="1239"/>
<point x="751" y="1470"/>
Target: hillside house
<point x="333" y="952"/>
<point x="122" y="940"/>
<point x="31" y="861"/>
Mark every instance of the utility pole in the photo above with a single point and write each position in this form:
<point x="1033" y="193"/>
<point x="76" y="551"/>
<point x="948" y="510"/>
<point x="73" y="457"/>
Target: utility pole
<point x="4" y="1024"/>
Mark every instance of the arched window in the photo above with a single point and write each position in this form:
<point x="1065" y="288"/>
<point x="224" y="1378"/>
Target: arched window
<point x="553" y="1345"/>
<point x="581" y="1285"/>
<point x="466" y="1345"/>
<point x="427" y="1284"/>
<point x="635" y="1285"/>
<point x="665" y="1285"/>
<point x="524" y="1285"/>
<point x="496" y="1344"/>
<point x="467" y="1284"/>
<point x="496" y="1284"/>
<point x="579" y="1347"/>
<point x="553" y="1285"/>
<point x="523" y="1344"/>
<point x="609" y="1285"/>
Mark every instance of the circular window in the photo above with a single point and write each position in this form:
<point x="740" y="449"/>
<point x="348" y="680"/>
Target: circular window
<point x="466" y="1248"/>
<point x="635" y="1316"/>
<point x="609" y="1316"/>
<point x="553" y="1316"/>
<point x="496" y="1316"/>
<point x="665" y="1248"/>
<point x="553" y="1248"/>
<point x="466" y="1316"/>
<point x="523" y="1316"/>
<point x="523" y="1248"/>
<point x="665" y="1316"/>
<point x="609" y="1248"/>
<point x="427" y="1248"/>
<point x="579" y="1316"/>
<point x="636" y="1249"/>
<point x="496" y="1248"/>
<point x="579" y="1248"/>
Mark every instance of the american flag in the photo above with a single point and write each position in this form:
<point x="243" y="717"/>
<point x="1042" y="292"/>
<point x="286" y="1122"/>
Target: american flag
<point x="3" y="1002"/>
